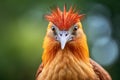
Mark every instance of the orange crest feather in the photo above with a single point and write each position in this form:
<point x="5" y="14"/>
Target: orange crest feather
<point x="64" y="20"/>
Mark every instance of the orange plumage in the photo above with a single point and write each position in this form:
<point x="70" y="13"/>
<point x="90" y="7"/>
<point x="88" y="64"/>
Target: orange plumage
<point x="66" y="54"/>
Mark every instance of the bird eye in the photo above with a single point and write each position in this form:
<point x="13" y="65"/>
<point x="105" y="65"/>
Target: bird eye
<point x="75" y="28"/>
<point x="53" y="28"/>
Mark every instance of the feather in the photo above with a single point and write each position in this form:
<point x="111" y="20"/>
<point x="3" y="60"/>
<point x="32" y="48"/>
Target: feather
<point x="100" y="72"/>
<point x="64" y="20"/>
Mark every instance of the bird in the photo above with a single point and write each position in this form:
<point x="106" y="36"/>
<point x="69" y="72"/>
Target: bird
<point x="66" y="54"/>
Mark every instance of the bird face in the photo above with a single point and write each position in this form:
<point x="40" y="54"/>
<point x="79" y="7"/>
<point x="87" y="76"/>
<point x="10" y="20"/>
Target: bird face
<point x="65" y="36"/>
<point x="64" y="27"/>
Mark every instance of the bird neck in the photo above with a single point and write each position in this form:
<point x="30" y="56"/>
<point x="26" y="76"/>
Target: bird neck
<point x="78" y="48"/>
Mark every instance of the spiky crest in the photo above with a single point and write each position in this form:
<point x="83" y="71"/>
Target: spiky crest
<point x="64" y="20"/>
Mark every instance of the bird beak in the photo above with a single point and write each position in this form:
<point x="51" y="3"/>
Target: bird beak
<point x="63" y="41"/>
<point x="64" y="37"/>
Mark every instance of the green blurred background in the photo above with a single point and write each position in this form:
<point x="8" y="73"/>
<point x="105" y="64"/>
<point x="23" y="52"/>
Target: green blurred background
<point x="23" y="27"/>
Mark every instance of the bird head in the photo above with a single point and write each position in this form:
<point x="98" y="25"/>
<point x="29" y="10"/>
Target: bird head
<point x="64" y="27"/>
<point x="65" y="32"/>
